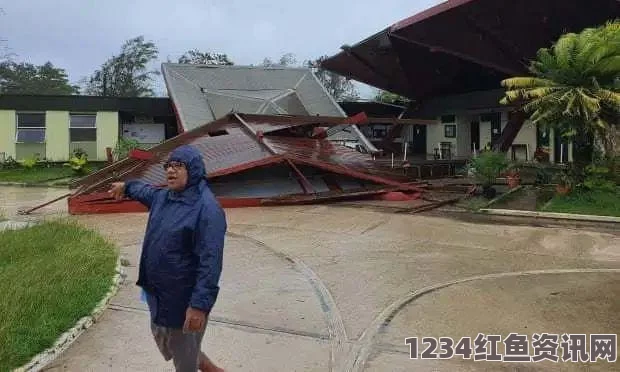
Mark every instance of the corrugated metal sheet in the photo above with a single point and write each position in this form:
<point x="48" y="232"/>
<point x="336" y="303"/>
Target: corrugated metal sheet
<point x="239" y="78"/>
<point x="263" y="95"/>
<point x="291" y="103"/>
<point x="204" y="93"/>
<point x="191" y="105"/>
<point x="222" y="105"/>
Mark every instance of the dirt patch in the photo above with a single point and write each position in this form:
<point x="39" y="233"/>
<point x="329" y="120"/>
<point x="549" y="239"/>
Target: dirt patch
<point x="528" y="198"/>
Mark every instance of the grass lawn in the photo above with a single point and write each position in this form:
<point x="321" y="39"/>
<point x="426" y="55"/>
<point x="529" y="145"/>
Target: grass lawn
<point x="35" y="175"/>
<point x="51" y="275"/>
<point x="602" y="203"/>
<point x="42" y="174"/>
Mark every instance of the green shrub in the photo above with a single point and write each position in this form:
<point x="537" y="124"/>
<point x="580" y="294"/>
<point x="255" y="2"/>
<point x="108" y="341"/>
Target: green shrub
<point x="123" y="147"/>
<point x="78" y="153"/>
<point x="487" y="166"/>
<point x="544" y="175"/>
<point x="78" y="164"/>
<point x="599" y="178"/>
<point x="30" y="162"/>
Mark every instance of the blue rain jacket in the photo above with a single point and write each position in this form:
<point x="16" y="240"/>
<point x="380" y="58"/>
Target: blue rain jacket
<point x="181" y="259"/>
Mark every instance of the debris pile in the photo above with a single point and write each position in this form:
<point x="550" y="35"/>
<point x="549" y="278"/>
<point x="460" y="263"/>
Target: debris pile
<point x="255" y="160"/>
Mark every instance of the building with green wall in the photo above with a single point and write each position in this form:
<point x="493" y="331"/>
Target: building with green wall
<point x="54" y="127"/>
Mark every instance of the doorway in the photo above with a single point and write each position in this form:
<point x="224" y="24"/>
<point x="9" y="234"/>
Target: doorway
<point x="418" y="140"/>
<point x="474" y="131"/>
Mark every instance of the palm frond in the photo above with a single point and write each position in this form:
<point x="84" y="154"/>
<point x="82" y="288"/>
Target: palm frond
<point x="541" y="92"/>
<point x="609" y="97"/>
<point x="590" y="102"/>
<point x="527" y="82"/>
<point x="546" y="102"/>
<point x="571" y="105"/>
<point x="589" y="107"/>
<point x="564" y="50"/>
<point x="544" y="63"/>
<point x="542" y="116"/>
<point x="600" y="124"/>
<point x="606" y="66"/>
<point x="575" y="84"/>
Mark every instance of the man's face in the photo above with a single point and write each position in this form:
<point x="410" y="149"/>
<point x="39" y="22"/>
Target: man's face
<point x="176" y="175"/>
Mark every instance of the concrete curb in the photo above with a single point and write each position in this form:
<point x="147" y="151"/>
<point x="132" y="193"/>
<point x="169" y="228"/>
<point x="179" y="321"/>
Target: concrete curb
<point x="65" y="340"/>
<point x="551" y="215"/>
<point x="15" y="225"/>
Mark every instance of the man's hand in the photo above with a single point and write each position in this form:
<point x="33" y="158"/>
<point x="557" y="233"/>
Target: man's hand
<point x="118" y="190"/>
<point x="195" y="320"/>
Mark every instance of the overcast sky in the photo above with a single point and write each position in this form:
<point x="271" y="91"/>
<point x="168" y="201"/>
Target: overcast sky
<point x="80" y="35"/>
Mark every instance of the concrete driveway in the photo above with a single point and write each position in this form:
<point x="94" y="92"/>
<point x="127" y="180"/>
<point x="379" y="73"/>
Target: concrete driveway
<point x="330" y="288"/>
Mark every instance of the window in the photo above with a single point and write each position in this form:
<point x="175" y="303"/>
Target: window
<point x="82" y="128"/>
<point x="379" y="131"/>
<point x="30" y="128"/>
<point x="450" y="131"/>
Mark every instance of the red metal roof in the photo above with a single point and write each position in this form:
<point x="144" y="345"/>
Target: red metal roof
<point x="234" y="144"/>
<point x="428" y="13"/>
<point x="461" y="46"/>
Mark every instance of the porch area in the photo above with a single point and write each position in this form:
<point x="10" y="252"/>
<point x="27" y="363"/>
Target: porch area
<point x="459" y="137"/>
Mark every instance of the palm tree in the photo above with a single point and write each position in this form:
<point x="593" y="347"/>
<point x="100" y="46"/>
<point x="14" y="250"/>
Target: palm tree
<point x="575" y="85"/>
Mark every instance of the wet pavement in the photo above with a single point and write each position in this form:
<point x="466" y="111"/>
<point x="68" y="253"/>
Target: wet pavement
<point x="336" y="288"/>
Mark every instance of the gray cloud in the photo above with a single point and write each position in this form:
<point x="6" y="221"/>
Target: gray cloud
<point x="80" y="35"/>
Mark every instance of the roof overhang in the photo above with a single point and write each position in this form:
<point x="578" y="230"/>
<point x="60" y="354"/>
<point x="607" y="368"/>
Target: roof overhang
<point x="152" y="106"/>
<point x="460" y="46"/>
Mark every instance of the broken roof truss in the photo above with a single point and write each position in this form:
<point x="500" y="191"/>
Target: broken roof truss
<point x="253" y="160"/>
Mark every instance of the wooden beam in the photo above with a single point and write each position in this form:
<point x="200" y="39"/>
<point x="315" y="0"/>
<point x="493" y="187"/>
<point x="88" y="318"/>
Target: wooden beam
<point x="463" y="56"/>
<point x="257" y="135"/>
<point x="303" y="181"/>
<point x="388" y="120"/>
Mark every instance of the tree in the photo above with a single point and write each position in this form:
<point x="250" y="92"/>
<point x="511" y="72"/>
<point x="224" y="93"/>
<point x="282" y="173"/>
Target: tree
<point x="392" y="98"/>
<point x="287" y="59"/>
<point x="26" y="78"/>
<point x="197" y="57"/>
<point x="338" y="86"/>
<point x="575" y="85"/>
<point x="126" y="75"/>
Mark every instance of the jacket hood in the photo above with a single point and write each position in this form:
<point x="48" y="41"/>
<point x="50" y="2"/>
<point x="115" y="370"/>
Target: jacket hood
<point x="192" y="158"/>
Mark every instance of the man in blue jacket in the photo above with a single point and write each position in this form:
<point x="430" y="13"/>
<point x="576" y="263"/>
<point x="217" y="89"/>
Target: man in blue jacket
<point x="181" y="260"/>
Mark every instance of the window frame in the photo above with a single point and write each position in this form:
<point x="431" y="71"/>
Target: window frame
<point x="26" y="129"/>
<point x="72" y="128"/>
<point x="451" y="127"/>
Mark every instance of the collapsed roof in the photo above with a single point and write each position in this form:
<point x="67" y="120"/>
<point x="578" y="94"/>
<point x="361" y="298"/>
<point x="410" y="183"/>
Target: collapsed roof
<point x="204" y="93"/>
<point x="461" y="46"/>
<point x="252" y="160"/>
